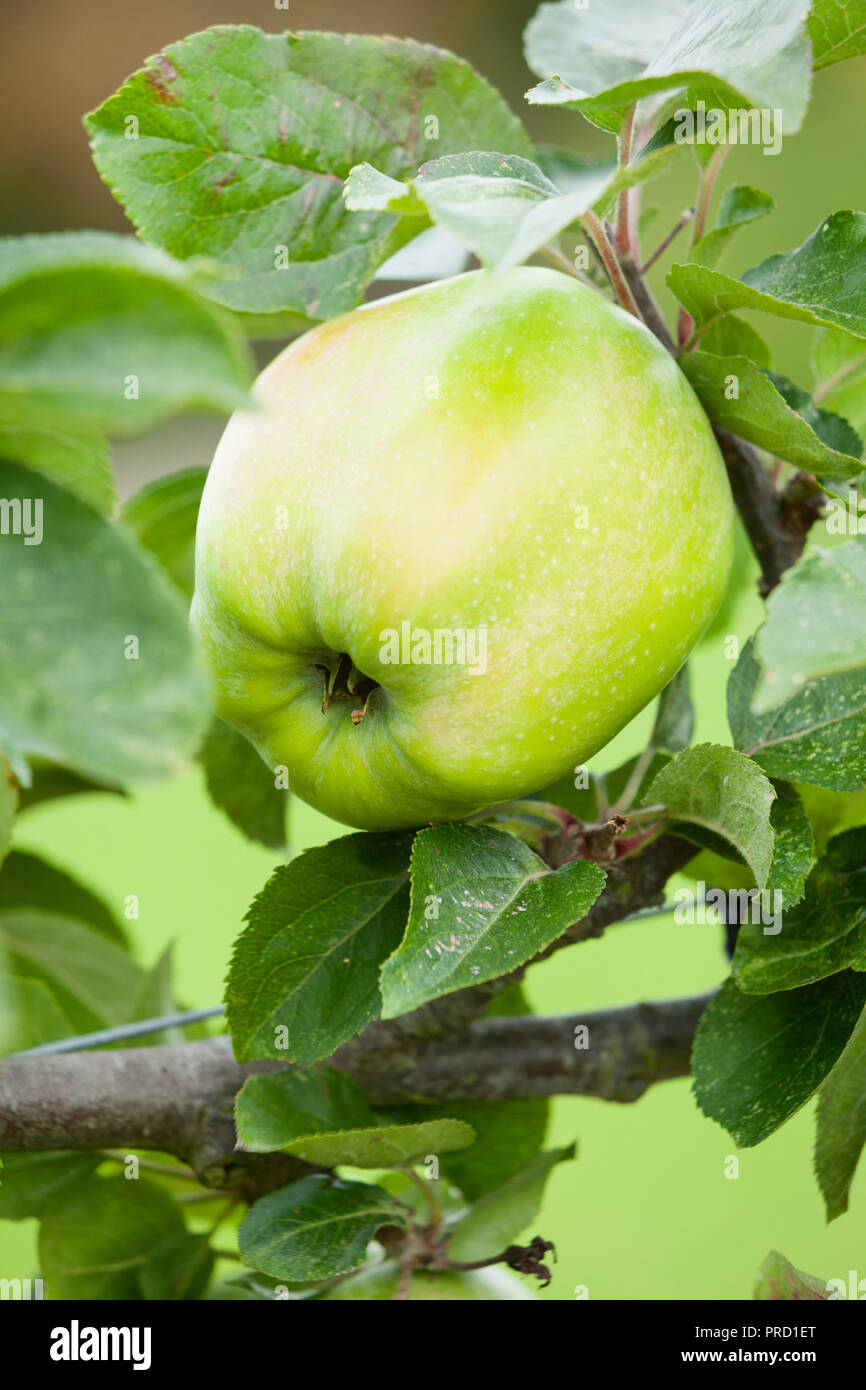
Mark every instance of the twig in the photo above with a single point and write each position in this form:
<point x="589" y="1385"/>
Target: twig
<point x="595" y="230"/>
<point x="682" y="221"/>
<point x="622" y="232"/>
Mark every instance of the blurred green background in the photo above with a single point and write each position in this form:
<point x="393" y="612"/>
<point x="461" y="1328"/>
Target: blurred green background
<point x="646" y="1211"/>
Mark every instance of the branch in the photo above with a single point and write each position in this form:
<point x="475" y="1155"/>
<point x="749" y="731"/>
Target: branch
<point x="179" y="1099"/>
<point x="776" y="528"/>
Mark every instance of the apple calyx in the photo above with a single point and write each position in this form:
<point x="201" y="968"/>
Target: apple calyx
<point x="346" y="682"/>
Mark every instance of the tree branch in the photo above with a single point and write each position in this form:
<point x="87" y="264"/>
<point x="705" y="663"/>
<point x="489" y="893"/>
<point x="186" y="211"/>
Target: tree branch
<point x="179" y="1099"/>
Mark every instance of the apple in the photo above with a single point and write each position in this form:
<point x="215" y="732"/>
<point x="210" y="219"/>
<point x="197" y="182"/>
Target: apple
<point x="470" y="532"/>
<point x="373" y="1285"/>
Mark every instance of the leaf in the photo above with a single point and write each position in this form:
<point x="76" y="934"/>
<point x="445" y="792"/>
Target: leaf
<point x="498" y="1217"/>
<point x="747" y="401"/>
<point x="29" y="1013"/>
<point x="29" y="881"/>
<point x="309" y="959"/>
<point x="823" y="934"/>
<point x="740" y="204"/>
<point x="180" y="1271"/>
<point x="79" y="462"/>
<point x="793" y="846"/>
<point x="734" y="337"/>
<point x="758" y="1058"/>
<point x="821" y="603"/>
<point x="841" y="1123"/>
<point x="156" y="997"/>
<point x="735" y="52"/>
<point x="68" y="691"/>
<point x="312" y="1230"/>
<point x="384" y="1146"/>
<point x="162" y="517"/>
<point x="99" y="1236"/>
<point x="837" y="29"/>
<point x="675" y="718"/>
<point x="49" y="782"/>
<point x="778" y="1280"/>
<point x="502" y="208"/>
<point x="100" y="333"/>
<point x="482" y="904"/>
<point x="839" y="367"/>
<point x="243" y="786"/>
<point x="31" y="1180"/>
<point x="94" y="981"/>
<point x="509" y="1133"/>
<point x="432" y="255"/>
<point x="244" y="140"/>
<point x="273" y="1109"/>
<point x="8" y="807"/>
<point x="817" y="737"/>
<point x="727" y="794"/>
<point x="823" y="281"/>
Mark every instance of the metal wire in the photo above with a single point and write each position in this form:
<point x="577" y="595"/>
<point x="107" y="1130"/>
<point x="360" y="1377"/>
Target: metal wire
<point x="121" y="1033"/>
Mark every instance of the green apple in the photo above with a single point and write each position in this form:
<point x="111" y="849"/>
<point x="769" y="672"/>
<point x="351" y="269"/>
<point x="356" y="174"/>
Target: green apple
<point x="472" y="530"/>
<point x="493" y="1285"/>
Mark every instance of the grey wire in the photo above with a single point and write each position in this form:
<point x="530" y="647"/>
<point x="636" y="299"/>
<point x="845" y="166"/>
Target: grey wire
<point x="119" y="1034"/>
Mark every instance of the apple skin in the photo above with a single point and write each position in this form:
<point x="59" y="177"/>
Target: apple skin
<point x="374" y="1285"/>
<point x="424" y="459"/>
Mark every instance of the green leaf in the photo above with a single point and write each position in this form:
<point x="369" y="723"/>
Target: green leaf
<point x="244" y="140"/>
<point x="482" y="904"/>
<point x="308" y="962"/>
<point x="29" y="1013"/>
<point x="31" y="1180"/>
<point x="312" y="1229"/>
<point x="179" y="1271"/>
<point x="822" y="600"/>
<point x="498" y="1217"/>
<point x="49" y="782"/>
<point x="8" y="807"/>
<point x="793" y="846"/>
<point x="734" y="337"/>
<point x="759" y="1057"/>
<point x="823" y="934"/>
<point x="69" y="690"/>
<point x="271" y="1110"/>
<point x="817" y="737"/>
<point x="778" y="1281"/>
<point x="100" y="333"/>
<point x="724" y="792"/>
<point x="243" y="786"/>
<point x="384" y="1146"/>
<point x="503" y="208"/>
<point x="29" y="881"/>
<point x="79" y="462"/>
<point x="823" y="281"/>
<point x="94" y="981"/>
<point x="162" y="517"/>
<point x="734" y="53"/>
<point x="99" y="1236"/>
<point x="509" y="1133"/>
<point x="837" y="29"/>
<point x="747" y="401"/>
<point x="675" y="717"/>
<point x="839" y="368"/>
<point x="841" y="1123"/>
<point x="156" y="997"/>
<point x="740" y="204"/>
